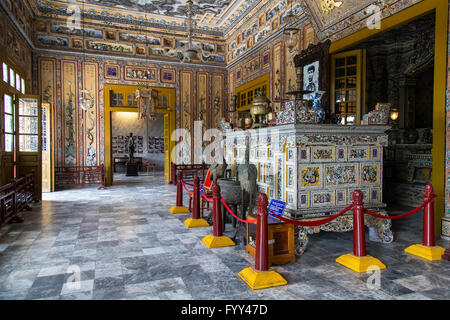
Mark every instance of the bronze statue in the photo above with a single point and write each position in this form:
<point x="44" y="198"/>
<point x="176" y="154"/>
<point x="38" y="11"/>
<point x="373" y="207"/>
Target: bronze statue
<point x="217" y="169"/>
<point x="131" y="149"/>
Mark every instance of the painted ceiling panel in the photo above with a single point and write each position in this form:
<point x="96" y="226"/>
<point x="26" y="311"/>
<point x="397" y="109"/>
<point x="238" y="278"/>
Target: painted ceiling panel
<point x="210" y="14"/>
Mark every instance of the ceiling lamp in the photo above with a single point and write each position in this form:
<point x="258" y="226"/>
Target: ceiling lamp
<point x="290" y="34"/>
<point x="86" y="101"/>
<point x="189" y="52"/>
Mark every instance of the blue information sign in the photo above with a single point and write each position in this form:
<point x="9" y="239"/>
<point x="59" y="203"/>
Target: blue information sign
<point x="277" y="207"/>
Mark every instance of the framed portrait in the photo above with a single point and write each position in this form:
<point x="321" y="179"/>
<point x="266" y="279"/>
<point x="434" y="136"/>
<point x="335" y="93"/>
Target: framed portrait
<point x="77" y="43"/>
<point x="311" y="78"/>
<point x="110" y="35"/>
<point x="141" y="74"/>
<point x="112" y="71"/>
<point x="168" y="42"/>
<point x="140" y="51"/>
<point x="167" y="75"/>
<point x="314" y="63"/>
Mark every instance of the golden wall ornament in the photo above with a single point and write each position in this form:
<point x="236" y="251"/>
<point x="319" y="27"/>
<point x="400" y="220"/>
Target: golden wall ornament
<point x="328" y="5"/>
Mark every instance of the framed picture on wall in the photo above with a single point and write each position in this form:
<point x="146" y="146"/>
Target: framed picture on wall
<point x="167" y="75"/>
<point x="141" y="74"/>
<point x="112" y="71"/>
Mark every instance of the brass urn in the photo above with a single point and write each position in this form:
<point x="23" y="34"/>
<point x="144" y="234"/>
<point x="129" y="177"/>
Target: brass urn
<point x="259" y="109"/>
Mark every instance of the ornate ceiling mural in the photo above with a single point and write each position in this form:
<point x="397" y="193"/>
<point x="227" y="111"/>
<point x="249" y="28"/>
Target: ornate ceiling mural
<point x="175" y="8"/>
<point x="213" y="17"/>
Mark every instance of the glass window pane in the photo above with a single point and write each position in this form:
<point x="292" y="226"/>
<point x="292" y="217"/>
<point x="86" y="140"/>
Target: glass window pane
<point x="12" y="77"/>
<point x="340" y="72"/>
<point x="340" y="62"/>
<point x="9" y="123"/>
<point x="351" y="60"/>
<point x="28" y="143"/>
<point x="9" y="142"/>
<point x="22" y="85"/>
<point x="44" y="129"/>
<point x="28" y="107"/>
<point x="8" y="104"/>
<point x="28" y="125"/>
<point x="17" y="82"/>
<point x="5" y="72"/>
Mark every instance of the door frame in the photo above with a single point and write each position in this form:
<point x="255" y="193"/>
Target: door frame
<point x="50" y="143"/>
<point x="109" y="175"/>
<point x="441" y="8"/>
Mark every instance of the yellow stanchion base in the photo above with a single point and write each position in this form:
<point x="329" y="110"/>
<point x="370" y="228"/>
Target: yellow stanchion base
<point x="359" y="264"/>
<point x="429" y="253"/>
<point x="217" y="242"/>
<point x="196" y="223"/>
<point x="178" y="210"/>
<point x="261" y="279"/>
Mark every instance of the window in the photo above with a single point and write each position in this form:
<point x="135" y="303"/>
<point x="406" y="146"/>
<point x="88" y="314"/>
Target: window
<point x="5" y="72"/>
<point x="18" y="82"/>
<point x="9" y="123"/>
<point x="346" y="81"/>
<point x="116" y="99"/>
<point x="12" y="77"/>
<point x="28" y="125"/>
<point x="44" y="129"/>
<point x="132" y="101"/>
<point x="22" y="85"/>
<point x="163" y="102"/>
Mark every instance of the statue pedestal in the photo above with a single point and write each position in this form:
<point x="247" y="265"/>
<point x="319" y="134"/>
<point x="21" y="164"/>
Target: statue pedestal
<point x="132" y="169"/>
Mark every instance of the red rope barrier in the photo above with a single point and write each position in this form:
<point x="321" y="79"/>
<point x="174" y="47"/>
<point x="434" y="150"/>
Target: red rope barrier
<point x="402" y="215"/>
<point x="231" y="212"/>
<point x="204" y="196"/>
<point x="184" y="186"/>
<point x="314" y="223"/>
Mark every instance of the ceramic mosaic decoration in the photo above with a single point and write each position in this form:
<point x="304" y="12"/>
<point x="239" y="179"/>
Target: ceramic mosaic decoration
<point x="316" y="168"/>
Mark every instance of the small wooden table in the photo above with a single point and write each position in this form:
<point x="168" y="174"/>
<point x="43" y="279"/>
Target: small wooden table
<point x="281" y="240"/>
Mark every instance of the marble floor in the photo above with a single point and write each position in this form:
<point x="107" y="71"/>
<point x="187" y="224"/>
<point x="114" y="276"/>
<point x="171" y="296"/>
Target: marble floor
<point x="122" y="243"/>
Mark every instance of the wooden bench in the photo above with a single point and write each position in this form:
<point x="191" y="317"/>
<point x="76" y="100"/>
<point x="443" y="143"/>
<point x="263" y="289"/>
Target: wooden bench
<point x="15" y="197"/>
<point x="75" y="176"/>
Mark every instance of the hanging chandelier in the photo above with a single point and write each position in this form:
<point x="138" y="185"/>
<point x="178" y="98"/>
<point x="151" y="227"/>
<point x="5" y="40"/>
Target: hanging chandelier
<point x="290" y="33"/>
<point x="189" y="52"/>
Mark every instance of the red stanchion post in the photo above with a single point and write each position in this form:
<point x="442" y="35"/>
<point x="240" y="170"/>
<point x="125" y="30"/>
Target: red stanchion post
<point x="217" y="239"/>
<point x="260" y="276"/>
<point x="179" y="190"/>
<point x="428" y="249"/>
<point x="428" y="218"/>
<point x="179" y="208"/>
<point x="359" y="239"/>
<point x="196" y="221"/>
<point x="262" y="235"/>
<point x="196" y="199"/>
<point x="359" y="261"/>
<point x="217" y="212"/>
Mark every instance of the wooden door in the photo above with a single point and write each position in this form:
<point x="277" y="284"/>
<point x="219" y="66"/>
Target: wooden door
<point x="7" y="138"/>
<point x="47" y="152"/>
<point x="28" y="139"/>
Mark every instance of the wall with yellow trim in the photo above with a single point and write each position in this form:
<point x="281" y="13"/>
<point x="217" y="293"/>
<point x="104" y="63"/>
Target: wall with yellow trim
<point x="80" y="136"/>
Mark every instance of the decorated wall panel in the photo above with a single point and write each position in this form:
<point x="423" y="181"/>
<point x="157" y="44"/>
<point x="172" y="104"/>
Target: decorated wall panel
<point x="90" y="83"/>
<point x="69" y="111"/>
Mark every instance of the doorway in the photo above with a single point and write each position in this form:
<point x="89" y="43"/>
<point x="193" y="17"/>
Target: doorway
<point x="153" y="143"/>
<point x="440" y="10"/>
